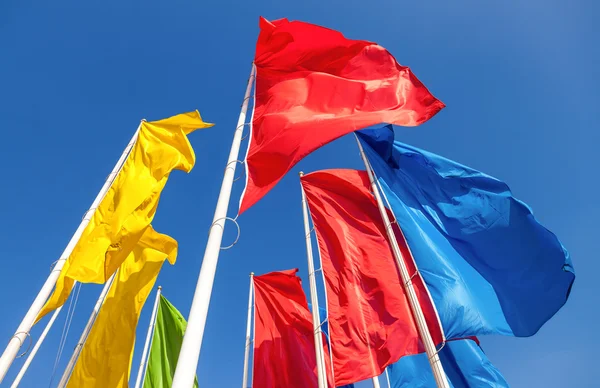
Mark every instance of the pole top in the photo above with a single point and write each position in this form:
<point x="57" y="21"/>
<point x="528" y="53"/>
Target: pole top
<point x="301" y="173"/>
<point x="160" y="287"/>
<point x="251" y="273"/>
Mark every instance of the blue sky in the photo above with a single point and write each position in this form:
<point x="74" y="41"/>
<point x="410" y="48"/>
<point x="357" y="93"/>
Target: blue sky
<point x="519" y="79"/>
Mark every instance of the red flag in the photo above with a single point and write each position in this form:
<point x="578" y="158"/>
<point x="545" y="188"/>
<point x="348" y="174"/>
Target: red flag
<point x="284" y="343"/>
<point x="312" y="86"/>
<point x="370" y="321"/>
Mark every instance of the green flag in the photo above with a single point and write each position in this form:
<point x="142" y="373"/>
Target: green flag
<point x="166" y="343"/>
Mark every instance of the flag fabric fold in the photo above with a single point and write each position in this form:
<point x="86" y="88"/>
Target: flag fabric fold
<point x="313" y="86"/>
<point x="105" y="360"/>
<point x="464" y="362"/>
<point x="166" y="343"/>
<point x="370" y="320"/>
<point x="490" y="267"/>
<point x="126" y="212"/>
<point x="284" y="344"/>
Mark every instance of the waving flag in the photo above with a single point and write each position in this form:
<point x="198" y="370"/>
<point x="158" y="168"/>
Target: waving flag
<point x="370" y="320"/>
<point x="166" y="344"/>
<point x="325" y="328"/>
<point x="284" y="344"/>
<point x="464" y="362"/>
<point x="105" y="359"/>
<point x="130" y="204"/>
<point x="490" y="266"/>
<point x="313" y="86"/>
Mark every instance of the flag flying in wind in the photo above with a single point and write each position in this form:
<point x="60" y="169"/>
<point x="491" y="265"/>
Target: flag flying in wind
<point x="129" y="206"/>
<point x="313" y="86"/>
<point x="370" y="319"/>
<point x="284" y="344"/>
<point x="325" y="328"/>
<point x="490" y="267"/>
<point x="464" y="362"/>
<point x="105" y="359"/>
<point x="166" y="342"/>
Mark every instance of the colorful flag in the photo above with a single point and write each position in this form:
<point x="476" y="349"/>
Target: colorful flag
<point x="464" y="362"/>
<point x="325" y="328"/>
<point x="105" y="360"/>
<point x="129" y="206"/>
<point x="370" y="319"/>
<point x="166" y="343"/>
<point x="490" y="267"/>
<point x="313" y="86"/>
<point x="284" y="343"/>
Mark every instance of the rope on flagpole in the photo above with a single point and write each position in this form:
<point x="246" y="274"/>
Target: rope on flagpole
<point x="27" y="335"/>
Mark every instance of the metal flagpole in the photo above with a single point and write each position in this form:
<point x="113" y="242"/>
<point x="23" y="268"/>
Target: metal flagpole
<point x="17" y="340"/>
<point x="248" y="328"/>
<point x="192" y="340"/>
<point x="39" y="342"/>
<point x="376" y="382"/>
<point x="149" y="336"/>
<point x="387" y="377"/>
<point x="314" y="300"/>
<point x="86" y="331"/>
<point x="434" y="359"/>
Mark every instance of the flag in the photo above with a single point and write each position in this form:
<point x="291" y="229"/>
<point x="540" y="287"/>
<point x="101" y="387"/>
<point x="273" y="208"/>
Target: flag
<point x="370" y="319"/>
<point x="166" y="342"/>
<point x="284" y="343"/>
<point x="325" y="329"/>
<point x="490" y="267"/>
<point x="105" y="360"/>
<point x="464" y="362"/>
<point x="313" y="86"/>
<point x="126" y="211"/>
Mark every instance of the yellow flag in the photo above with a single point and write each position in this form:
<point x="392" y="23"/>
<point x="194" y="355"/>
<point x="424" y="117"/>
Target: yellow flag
<point x="105" y="360"/>
<point x="129" y="205"/>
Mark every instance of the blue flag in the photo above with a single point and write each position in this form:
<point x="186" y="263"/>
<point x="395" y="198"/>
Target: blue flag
<point x="464" y="362"/>
<point x="490" y="267"/>
<point x="325" y="329"/>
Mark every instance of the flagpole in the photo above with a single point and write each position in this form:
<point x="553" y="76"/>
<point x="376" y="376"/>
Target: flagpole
<point x="17" y="340"/>
<point x="248" y="328"/>
<point x="387" y="377"/>
<point x="314" y="300"/>
<point x="432" y="354"/>
<point x="376" y="382"/>
<point x="86" y="331"/>
<point x="192" y="340"/>
<point x="39" y="342"/>
<point x="149" y="335"/>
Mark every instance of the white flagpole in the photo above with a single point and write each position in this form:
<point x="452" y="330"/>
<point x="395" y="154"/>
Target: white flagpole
<point x="149" y="336"/>
<point x="39" y="342"/>
<point x="387" y="377"/>
<point x="86" y="331"/>
<point x="376" y="382"/>
<point x="248" y="328"/>
<point x="192" y="340"/>
<point x="319" y="351"/>
<point x="17" y="340"/>
<point x="434" y="359"/>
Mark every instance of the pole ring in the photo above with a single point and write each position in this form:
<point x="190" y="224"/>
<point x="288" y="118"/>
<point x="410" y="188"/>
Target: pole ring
<point x="19" y="339"/>
<point x="242" y="126"/>
<point x="237" y="226"/>
<point x="235" y="161"/>
<point x="246" y="98"/>
<point x="437" y="351"/>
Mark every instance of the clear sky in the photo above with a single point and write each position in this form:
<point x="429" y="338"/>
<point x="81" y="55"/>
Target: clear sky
<point x="521" y="84"/>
